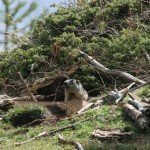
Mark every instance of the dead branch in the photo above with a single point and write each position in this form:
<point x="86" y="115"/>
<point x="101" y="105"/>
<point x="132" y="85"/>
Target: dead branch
<point x="136" y="115"/>
<point x="85" y="108"/>
<point x="124" y="93"/>
<point x="104" y="69"/>
<point x="71" y="142"/>
<point x="43" y="134"/>
<point x="139" y="106"/>
<point x="27" y="88"/>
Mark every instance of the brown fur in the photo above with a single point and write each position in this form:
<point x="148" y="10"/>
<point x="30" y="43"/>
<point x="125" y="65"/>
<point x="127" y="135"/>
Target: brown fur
<point x="74" y="90"/>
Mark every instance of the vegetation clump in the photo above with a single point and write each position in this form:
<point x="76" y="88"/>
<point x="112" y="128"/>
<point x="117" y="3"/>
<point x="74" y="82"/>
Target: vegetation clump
<point x="24" y="115"/>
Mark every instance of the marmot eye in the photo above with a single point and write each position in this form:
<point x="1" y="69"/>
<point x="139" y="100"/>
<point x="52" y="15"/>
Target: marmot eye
<point x="78" y="81"/>
<point x="71" y="81"/>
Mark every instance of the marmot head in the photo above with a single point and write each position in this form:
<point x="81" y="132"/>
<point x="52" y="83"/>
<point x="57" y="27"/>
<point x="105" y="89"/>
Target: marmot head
<point x="72" y="83"/>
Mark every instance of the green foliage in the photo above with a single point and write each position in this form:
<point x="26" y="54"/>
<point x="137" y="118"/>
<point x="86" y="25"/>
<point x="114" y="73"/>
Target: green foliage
<point x="113" y="33"/>
<point x="23" y="115"/>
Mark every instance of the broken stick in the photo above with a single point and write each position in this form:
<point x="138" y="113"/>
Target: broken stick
<point x="24" y="83"/>
<point x="71" y="142"/>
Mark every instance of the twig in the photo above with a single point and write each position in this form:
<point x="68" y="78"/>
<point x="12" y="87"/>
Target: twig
<point x="43" y="134"/>
<point x="71" y="142"/>
<point x="29" y="92"/>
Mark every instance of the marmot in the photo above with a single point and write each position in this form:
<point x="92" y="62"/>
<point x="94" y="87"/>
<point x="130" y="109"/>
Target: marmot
<point x="74" y="90"/>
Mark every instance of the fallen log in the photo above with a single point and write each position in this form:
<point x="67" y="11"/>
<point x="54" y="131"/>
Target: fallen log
<point x="110" y="134"/>
<point x="71" y="142"/>
<point x="104" y="69"/>
<point x="139" y="106"/>
<point x="136" y="115"/>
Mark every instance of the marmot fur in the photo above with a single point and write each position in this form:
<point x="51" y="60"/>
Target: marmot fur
<point x="74" y="90"/>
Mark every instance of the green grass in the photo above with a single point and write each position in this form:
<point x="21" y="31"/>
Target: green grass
<point x="105" y="117"/>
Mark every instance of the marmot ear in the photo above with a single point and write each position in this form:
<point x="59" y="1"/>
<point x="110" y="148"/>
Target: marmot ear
<point x="78" y="81"/>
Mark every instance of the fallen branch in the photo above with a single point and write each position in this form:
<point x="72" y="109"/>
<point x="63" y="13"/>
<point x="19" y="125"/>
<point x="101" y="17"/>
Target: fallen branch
<point x="27" y="88"/>
<point x="71" y="142"/>
<point x="139" y="107"/>
<point x="124" y="93"/>
<point x="43" y="134"/>
<point x="104" y="69"/>
<point x="85" y="108"/>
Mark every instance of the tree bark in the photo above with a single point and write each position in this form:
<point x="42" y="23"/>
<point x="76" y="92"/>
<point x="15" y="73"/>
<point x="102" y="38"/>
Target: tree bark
<point x="136" y="115"/>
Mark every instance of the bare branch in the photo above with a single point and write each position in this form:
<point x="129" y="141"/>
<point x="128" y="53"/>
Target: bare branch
<point x="24" y="83"/>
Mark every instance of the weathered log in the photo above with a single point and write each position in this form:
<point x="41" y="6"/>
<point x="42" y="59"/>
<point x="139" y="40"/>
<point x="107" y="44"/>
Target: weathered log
<point x="110" y="134"/>
<point x="136" y="115"/>
<point x="139" y="106"/>
<point x="71" y="142"/>
<point x="104" y="69"/>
